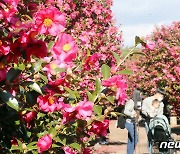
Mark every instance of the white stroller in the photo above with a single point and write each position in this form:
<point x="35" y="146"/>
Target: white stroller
<point x="161" y="132"/>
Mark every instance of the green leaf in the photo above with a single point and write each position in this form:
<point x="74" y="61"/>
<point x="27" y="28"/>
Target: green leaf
<point x="21" y="67"/>
<point x="97" y="109"/>
<point x="21" y="89"/>
<point x="55" y="146"/>
<point x="91" y="97"/>
<point x="40" y="115"/>
<point x="111" y="99"/>
<point x="14" y="147"/>
<point x="50" y="44"/>
<point x="73" y="94"/>
<point x="20" y="145"/>
<point x="38" y="66"/>
<point x="59" y="70"/>
<point x="75" y="146"/>
<point x="43" y="77"/>
<point x="105" y="69"/>
<point x="53" y="131"/>
<point x="98" y="86"/>
<point x="31" y="97"/>
<point x="12" y="74"/>
<point x="114" y="114"/>
<point x="126" y="72"/>
<point x="33" y="85"/>
<point x="138" y="40"/>
<point x="60" y="139"/>
<point x="117" y="57"/>
<point x="9" y="99"/>
<point x="32" y="146"/>
<point x="100" y="118"/>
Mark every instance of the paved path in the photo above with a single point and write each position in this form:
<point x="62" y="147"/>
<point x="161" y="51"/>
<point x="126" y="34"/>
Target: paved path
<point x="118" y="141"/>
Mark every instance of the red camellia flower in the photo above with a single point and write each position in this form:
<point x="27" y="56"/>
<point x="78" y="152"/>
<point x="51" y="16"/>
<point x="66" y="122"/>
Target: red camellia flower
<point x="92" y="62"/>
<point x="3" y="74"/>
<point x="100" y="128"/>
<point x="44" y="143"/>
<point x="50" y="21"/>
<point x="37" y="48"/>
<point x="26" y="46"/>
<point x="28" y="117"/>
<point x="65" y="48"/>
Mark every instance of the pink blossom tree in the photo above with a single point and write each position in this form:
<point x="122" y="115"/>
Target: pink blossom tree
<point x="54" y="57"/>
<point x="161" y="65"/>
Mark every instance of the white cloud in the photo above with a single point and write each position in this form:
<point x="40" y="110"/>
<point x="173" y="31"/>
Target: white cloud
<point x="138" y="17"/>
<point x="144" y="29"/>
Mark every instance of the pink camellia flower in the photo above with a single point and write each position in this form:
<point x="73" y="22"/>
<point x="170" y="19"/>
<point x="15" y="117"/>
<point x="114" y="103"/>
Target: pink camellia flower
<point x="100" y="128"/>
<point x="44" y="143"/>
<point x="68" y="150"/>
<point x="50" y="21"/>
<point x="82" y="111"/>
<point x="65" y="48"/>
<point x="52" y="67"/>
<point x="118" y="83"/>
<point x="150" y="45"/>
<point x="4" y="48"/>
<point x="9" y="10"/>
<point x="49" y="103"/>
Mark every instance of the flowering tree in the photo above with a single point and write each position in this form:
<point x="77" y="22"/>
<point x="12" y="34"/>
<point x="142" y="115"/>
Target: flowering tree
<point x="58" y="64"/>
<point x="161" y="65"/>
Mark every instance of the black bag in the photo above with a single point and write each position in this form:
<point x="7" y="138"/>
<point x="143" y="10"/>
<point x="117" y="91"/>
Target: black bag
<point x="121" y="121"/>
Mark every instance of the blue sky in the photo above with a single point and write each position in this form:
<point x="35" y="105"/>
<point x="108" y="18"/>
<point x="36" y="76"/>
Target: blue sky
<point x="138" y="17"/>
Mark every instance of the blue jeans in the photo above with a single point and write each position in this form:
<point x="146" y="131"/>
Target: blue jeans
<point x="149" y="138"/>
<point x="132" y="137"/>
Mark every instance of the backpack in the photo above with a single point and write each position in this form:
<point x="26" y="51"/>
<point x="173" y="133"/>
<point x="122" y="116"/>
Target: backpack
<point x="121" y="121"/>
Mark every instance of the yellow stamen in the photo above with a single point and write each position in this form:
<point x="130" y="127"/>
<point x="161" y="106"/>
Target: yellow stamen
<point x="51" y="100"/>
<point x="1" y="43"/>
<point x="47" y="22"/>
<point x="2" y="66"/>
<point x="67" y="47"/>
<point x="53" y="66"/>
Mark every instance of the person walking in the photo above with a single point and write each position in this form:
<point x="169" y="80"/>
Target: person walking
<point x="131" y="113"/>
<point x="147" y="112"/>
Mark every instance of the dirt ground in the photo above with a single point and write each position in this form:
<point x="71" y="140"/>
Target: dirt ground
<point x="117" y="141"/>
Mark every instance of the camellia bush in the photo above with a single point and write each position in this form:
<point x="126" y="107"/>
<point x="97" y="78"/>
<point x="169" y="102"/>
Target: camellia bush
<point x="160" y="67"/>
<point x="59" y="71"/>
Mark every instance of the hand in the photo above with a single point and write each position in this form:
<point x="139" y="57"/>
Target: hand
<point x="135" y="114"/>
